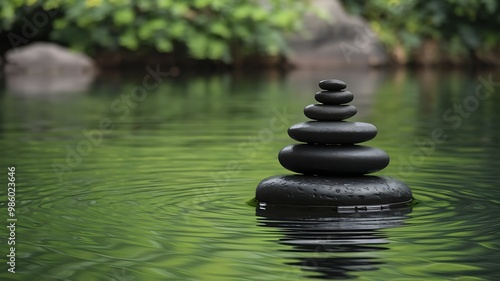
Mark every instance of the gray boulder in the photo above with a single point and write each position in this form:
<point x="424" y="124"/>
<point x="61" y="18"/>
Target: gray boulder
<point x="344" y="40"/>
<point x="47" y="59"/>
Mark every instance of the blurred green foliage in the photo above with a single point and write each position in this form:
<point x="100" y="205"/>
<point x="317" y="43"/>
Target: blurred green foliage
<point x="462" y="27"/>
<point x="206" y="29"/>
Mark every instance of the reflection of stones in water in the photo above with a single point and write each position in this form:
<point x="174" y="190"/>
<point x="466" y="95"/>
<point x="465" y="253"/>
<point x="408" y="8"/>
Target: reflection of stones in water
<point x="40" y="84"/>
<point x="339" y="243"/>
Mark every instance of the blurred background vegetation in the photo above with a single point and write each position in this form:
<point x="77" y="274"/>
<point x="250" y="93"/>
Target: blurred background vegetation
<point x="447" y="31"/>
<point x="233" y="32"/>
<point x="220" y="30"/>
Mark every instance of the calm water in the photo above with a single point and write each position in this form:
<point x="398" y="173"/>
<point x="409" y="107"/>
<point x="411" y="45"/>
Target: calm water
<point x="163" y="194"/>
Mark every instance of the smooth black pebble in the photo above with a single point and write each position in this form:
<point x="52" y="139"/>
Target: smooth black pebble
<point x="332" y="85"/>
<point x="329" y="97"/>
<point x="333" y="159"/>
<point x="322" y="132"/>
<point x="322" y="112"/>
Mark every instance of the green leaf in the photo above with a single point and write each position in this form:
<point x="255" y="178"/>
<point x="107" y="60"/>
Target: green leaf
<point x="7" y="12"/>
<point x="259" y="14"/>
<point x="179" y="9"/>
<point x="164" y="4"/>
<point x="129" y="40"/>
<point x="243" y="32"/>
<point x="147" y="29"/>
<point x="284" y="18"/>
<point x="216" y="49"/>
<point x="177" y="29"/>
<point x="146" y="5"/>
<point x="201" y="3"/>
<point x="51" y="4"/>
<point x="123" y="16"/>
<point x="242" y="12"/>
<point x="164" y="45"/>
<point x="218" y="28"/>
<point x="197" y="45"/>
<point x="60" y="23"/>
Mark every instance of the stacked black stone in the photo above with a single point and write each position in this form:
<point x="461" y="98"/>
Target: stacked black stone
<point x="332" y="164"/>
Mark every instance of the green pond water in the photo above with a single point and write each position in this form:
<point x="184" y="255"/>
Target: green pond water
<point x="163" y="194"/>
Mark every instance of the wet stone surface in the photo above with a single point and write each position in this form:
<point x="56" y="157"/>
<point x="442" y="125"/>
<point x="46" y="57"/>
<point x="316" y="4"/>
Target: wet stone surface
<point x="331" y="167"/>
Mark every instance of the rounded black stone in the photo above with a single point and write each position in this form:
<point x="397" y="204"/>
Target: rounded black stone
<point x="332" y="132"/>
<point x="323" y="112"/>
<point x="332" y="85"/>
<point x="332" y="159"/>
<point x="364" y="192"/>
<point x="329" y="97"/>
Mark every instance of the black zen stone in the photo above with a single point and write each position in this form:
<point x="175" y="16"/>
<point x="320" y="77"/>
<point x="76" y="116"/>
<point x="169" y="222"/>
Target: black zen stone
<point x="360" y="192"/>
<point x="323" y="112"/>
<point x="332" y="85"/>
<point x="331" y="169"/>
<point x="332" y="132"/>
<point x="328" y="97"/>
<point x="332" y="159"/>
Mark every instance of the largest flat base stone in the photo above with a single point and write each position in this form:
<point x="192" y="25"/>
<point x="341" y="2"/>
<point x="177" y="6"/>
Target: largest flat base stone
<point x="359" y="191"/>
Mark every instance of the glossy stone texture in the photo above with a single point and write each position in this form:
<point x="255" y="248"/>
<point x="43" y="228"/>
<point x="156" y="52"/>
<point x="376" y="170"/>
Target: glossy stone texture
<point x="332" y="85"/>
<point x="323" y="112"/>
<point x="332" y="159"/>
<point x="335" y="97"/>
<point x="360" y="192"/>
<point x="331" y="166"/>
<point x="332" y="133"/>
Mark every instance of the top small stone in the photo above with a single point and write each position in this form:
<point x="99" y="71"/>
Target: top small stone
<point x="332" y="85"/>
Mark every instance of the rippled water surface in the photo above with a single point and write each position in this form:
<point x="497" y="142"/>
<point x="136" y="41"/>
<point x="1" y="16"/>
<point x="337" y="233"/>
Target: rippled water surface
<point x="157" y="189"/>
